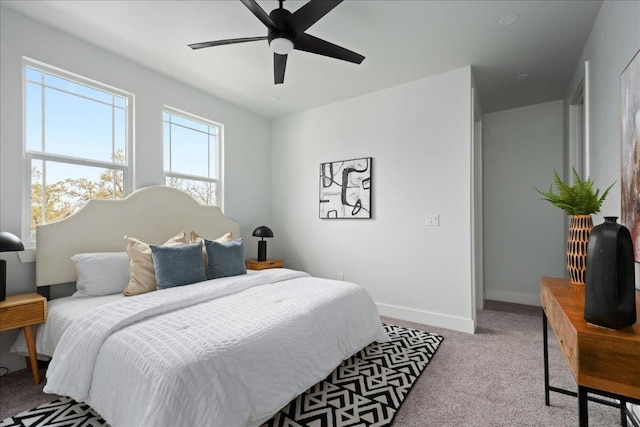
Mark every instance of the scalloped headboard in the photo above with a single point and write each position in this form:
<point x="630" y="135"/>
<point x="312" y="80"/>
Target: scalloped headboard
<point x="152" y="214"/>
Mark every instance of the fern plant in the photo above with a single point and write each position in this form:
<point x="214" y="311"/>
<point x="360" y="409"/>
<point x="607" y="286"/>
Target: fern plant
<point x="577" y="199"/>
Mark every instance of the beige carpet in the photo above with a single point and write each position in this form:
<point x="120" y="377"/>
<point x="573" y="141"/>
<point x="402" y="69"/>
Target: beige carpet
<point x="492" y="378"/>
<point x="496" y="377"/>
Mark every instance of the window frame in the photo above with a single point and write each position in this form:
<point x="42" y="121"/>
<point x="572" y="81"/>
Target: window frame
<point x="219" y="166"/>
<point x="29" y="156"/>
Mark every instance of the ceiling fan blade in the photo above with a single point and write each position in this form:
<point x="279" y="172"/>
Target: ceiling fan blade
<point x="279" y="66"/>
<point x="260" y="13"/>
<point x="223" y="42"/>
<point x="313" y="44"/>
<point x="310" y="13"/>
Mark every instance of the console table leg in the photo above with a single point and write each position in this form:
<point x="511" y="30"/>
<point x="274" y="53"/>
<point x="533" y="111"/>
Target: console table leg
<point x="623" y="413"/>
<point x="583" y="413"/>
<point x="546" y="358"/>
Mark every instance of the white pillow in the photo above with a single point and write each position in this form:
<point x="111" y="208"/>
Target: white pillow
<point x="102" y="273"/>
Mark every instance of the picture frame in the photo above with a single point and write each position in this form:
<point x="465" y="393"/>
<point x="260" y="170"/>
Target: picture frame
<point x="345" y="189"/>
<point x="630" y="150"/>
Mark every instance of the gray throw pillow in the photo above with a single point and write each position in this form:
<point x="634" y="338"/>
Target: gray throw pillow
<point x="225" y="258"/>
<point x="178" y="265"/>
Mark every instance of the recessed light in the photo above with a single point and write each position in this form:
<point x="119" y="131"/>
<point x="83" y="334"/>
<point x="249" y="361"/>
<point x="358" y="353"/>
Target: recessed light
<point x="508" y="19"/>
<point x="524" y="76"/>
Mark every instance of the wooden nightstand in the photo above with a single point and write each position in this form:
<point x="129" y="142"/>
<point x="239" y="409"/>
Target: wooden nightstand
<point x="23" y="311"/>
<point x="254" y="264"/>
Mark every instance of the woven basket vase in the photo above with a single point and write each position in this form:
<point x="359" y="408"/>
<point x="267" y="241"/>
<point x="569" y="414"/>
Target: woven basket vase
<point x="579" y="229"/>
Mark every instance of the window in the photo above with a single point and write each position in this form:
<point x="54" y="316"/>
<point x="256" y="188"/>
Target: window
<point x="192" y="160"/>
<point x="77" y="143"/>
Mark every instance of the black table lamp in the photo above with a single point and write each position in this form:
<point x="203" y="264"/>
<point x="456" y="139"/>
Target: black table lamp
<point x="8" y="243"/>
<point x="262" y="232"/>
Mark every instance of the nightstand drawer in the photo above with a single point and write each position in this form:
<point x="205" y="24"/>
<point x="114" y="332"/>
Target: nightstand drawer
<point x="21" y="315"/>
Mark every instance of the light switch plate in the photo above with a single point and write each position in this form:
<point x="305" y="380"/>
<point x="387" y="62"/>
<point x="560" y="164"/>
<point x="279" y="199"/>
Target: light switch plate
<point x="433" y="220"/>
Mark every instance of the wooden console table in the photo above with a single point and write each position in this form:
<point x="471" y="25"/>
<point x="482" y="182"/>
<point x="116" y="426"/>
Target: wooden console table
<point x="603" y="361"/>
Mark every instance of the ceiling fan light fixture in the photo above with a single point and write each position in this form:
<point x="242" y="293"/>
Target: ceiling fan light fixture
<point x="281" y="45"/>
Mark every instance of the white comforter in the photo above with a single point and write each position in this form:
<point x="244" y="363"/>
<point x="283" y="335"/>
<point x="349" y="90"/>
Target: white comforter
<point x="61" y="313"/>
<point x="218" y="353"/>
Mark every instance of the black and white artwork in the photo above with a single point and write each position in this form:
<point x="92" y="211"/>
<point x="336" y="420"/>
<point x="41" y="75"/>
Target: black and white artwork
<point x="345" y="189"/>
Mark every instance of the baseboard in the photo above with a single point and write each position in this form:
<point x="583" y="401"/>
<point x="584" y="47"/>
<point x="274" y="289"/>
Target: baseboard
<point x="515" y="297"/>
<point x="13" y="362"/>
<point x="428" y="318"/>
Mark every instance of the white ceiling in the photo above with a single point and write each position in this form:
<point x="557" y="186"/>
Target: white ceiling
<point x="401" y="40"/>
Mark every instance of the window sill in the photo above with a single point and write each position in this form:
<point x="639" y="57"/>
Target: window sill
<point x="27" y="256"/>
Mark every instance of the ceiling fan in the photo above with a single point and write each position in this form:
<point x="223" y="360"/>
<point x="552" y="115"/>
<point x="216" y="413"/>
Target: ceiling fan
<point x="287" y="32"/>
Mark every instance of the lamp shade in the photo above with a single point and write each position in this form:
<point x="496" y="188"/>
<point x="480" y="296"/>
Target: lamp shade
<point x="10" y="242"/>
<point x="263" y="231"/>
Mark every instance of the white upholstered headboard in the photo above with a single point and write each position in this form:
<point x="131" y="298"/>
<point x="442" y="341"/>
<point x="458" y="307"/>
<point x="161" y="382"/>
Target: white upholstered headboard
<point x="152" y="214"/>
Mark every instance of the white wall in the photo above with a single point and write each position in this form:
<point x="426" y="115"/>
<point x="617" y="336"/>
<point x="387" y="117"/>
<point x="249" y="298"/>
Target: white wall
<point x="419" y="135"/>
<point x="247" y="136"/>
<point x="614" y="39"/>
<point x="523" y="236"/>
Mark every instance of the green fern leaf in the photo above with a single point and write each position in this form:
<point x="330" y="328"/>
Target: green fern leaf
<point x="577" y="199"/>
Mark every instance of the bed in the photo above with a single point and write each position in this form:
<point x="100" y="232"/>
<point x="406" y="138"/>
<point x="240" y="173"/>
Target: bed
<point x="229" y="351"/>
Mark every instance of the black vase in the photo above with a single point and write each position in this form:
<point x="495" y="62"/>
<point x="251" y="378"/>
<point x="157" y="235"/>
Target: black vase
<point x="610" y="299"/>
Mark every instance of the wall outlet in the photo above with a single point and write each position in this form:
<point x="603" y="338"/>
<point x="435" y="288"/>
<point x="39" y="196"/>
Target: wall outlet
<point x="341" y="276"/>
<point x="433" y="220"/>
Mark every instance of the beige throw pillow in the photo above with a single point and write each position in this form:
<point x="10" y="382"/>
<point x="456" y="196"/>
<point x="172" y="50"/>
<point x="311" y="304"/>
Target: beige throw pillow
<point x="196" y="238"/>
<point x="142" y="275"/>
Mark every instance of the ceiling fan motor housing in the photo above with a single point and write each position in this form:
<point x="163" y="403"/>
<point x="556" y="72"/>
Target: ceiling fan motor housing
<point x="283" y="31"/>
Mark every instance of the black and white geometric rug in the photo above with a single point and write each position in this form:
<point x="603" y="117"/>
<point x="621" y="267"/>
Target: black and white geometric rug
<point x="368" y="388"/>
<point x="365" y="390"/>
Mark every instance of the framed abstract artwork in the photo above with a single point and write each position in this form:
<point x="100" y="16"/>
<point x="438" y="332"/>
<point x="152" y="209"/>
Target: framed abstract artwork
<point x="630" y="150"/>
<point x="345" y="189"/>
